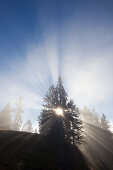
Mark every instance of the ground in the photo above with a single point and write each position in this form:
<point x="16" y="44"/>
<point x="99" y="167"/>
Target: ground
<point x="27" y="151"/>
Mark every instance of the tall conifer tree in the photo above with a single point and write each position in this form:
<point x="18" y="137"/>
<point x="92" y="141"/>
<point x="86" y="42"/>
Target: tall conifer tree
<point x="60" y="116"/>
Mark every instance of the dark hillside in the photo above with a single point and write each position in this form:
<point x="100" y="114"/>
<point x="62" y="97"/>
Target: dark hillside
<point x="21" y="150"/>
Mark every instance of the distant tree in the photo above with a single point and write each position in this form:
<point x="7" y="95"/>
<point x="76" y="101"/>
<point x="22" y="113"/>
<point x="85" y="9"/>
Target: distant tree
<point x="90" y="117"/>
<point x="86" y="115"/>
<point x="35" y="131"/>
<point x="96" y="118"/>
<point x="65" y="126"/>
<point x="17" y="115"/>
<point x="104" y="122"/>
<point x="27" y="127"/>
<point x="5" y="118"/>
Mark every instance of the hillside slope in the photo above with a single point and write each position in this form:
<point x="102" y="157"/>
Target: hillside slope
<point x="21" y="150"/>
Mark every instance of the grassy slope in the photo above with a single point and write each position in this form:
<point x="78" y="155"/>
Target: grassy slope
<point x="21" y="150"/>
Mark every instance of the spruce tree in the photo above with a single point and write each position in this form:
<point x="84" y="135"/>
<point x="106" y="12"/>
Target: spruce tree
<point x="86" y="115"/>
<point x="5" y="118"/>
<point x="60" y="116"/>
<point x="90" y="117"/>
<point x="104" y="122"/>
<point x="96" y="118"/>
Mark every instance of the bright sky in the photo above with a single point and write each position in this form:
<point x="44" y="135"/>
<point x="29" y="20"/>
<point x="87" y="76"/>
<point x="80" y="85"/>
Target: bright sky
<point x="41" y="39"/>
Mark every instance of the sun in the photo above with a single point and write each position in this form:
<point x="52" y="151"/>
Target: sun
<point x="59" y="111"/>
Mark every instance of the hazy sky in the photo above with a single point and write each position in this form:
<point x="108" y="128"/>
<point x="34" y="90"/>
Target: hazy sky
<point x="41" y="39"/>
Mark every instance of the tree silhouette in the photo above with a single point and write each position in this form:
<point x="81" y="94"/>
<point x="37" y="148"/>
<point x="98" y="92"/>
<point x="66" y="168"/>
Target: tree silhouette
<point x="35" y="131"/>
<point x="104" y="122"/>
<point x="5" y="118"/>
<point x="65" y="126"/>
<point x="86" y="115"/>
<point x="27" y="127"/>
<point x="17" y="115"/>
<point x="90" y="117"/>
<point x="96" y="118"/>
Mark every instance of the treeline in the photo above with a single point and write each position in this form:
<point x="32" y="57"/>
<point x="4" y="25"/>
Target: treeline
<point x="98" y="139"/>
<point x="93" y="118"/>
<point x="11" y="118"/>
